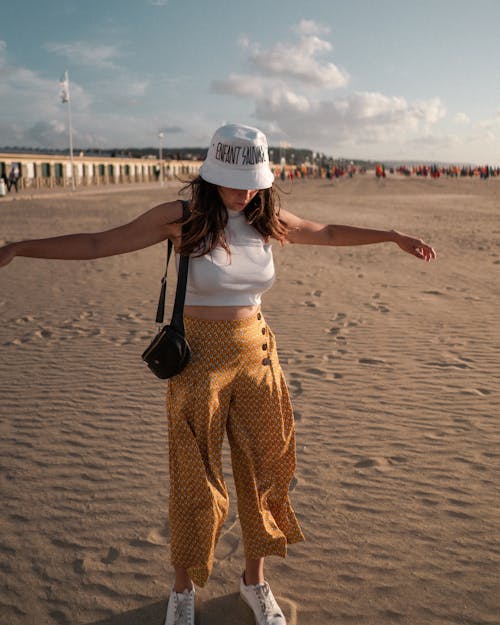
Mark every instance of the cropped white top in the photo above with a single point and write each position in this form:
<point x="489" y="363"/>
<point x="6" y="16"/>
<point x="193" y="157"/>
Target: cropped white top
<point x="217" y="279"/>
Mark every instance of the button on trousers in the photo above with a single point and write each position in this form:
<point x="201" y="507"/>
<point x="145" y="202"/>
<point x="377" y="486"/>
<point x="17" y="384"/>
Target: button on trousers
<point x="233" y="384"/>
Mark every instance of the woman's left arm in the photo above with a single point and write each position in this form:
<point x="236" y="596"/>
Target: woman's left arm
<point x="307" y="232"/>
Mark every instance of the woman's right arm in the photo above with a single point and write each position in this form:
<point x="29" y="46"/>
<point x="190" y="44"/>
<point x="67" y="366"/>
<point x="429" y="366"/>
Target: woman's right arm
<point x="151" y="227"/>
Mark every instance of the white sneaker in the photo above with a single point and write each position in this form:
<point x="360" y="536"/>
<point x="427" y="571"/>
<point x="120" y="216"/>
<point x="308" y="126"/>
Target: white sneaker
<point x="180" y="609"/>
<point x="264" y="606"/>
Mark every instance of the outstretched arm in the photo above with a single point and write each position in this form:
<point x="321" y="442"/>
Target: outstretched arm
<point x="313" y="233"/>
<point x="149" y="228"/>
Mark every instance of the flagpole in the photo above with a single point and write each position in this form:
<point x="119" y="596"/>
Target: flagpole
<point x="160" y="137"/>
<point x="70" y="131"/>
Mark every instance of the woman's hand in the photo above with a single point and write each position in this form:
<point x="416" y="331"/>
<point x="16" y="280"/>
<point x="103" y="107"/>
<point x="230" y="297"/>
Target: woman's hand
<point x="7" y="253"/>
<point x="414" y="246"/>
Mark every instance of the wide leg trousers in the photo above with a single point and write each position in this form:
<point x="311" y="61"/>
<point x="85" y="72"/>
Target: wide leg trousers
<point x="233" y="384"/>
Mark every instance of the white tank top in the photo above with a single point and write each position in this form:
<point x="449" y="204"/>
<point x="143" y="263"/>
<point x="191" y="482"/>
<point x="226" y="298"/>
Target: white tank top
<point x="217" y="279"/>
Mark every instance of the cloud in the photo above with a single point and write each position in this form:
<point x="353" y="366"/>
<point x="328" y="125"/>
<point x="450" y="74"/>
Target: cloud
<point x="244" y="41"/>
<point x="51" y="134"/>
<point x="491" y="122"/>
<point x="85" y="53"/>
<point x="243" y="85"/>
<point x="310" y="27"/>
<point x="436" y="141"/>
<point x="299" y="61"/>
<point x="482" y="137"/>
<point x="461" y="118"/>
<point x="360" y="117"/>
<point x="279" y="83"/>
<point x="136" y="88"/>
<point x="35" y="116"/>
<point x="28" y="93"/>
<point x="157" y="3"/>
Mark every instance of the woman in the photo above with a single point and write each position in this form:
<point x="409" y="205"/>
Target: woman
<point x="234" y="382"/>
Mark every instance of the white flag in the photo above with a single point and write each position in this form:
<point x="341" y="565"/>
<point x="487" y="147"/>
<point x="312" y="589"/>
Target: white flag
<point x="64" y="84"/>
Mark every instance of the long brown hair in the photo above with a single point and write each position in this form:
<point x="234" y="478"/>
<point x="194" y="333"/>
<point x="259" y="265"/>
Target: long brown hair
<point x="205" y="225"/>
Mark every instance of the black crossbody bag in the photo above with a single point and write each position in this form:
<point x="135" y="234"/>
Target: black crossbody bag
<point x="169" y="351"/>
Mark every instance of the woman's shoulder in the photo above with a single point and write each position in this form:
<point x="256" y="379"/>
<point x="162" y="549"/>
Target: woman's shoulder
<point x="173" y="211"/>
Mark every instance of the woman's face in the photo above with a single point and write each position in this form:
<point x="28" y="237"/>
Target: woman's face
<point x="236" y="199"/>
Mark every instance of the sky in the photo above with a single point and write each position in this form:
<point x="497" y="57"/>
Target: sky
<point x="384" y="79"/>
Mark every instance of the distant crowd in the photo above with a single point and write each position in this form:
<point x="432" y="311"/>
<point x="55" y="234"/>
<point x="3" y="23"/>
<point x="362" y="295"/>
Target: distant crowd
<point x="451" y="171"/>
<point x="330" y="172"/>
<point x="348" y="170"/>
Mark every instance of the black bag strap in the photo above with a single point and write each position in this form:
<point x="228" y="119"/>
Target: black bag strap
<point x="160" y="311"/>
<point x="180" y="293"/>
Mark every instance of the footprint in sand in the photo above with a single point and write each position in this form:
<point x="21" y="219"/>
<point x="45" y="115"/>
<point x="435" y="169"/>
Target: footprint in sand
<point x="42" y="334"/>
<point x="371" y="361"/>
<point x="295" y="387"/>
<point x="132" y="317"/>
<point x="335" y="331"/>
<point x="15" y="342"/>
<point x="380" y="463"/>
<point x="438" y="293"/>
<point x="377" y="305"/>
<point x="318" y="372"/>
<point x="448" y="365"/>
<point x="132" y="338"/>
<point x="111" y="556"/>
<point x="86" y="314"/>
<point x="158" y="536"/>
<point x="316" y="293"/>
<point x="25" y="319"/>
<point x="140" y="543"/>
<point x="19" y="518"/>
<point x="59" y="617"/>
<point x="338" y="330"/>
<point x="7" y="550"/>
<point x="481" y="392"/>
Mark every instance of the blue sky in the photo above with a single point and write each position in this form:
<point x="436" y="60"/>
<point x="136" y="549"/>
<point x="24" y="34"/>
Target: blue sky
<point x="360" y="78"/>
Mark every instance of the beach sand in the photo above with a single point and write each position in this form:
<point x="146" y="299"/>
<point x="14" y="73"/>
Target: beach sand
<point x="393" y="367"/>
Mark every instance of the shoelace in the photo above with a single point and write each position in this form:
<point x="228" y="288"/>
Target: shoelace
<point x="182" y="609"/>
<point x="266" y="602"/>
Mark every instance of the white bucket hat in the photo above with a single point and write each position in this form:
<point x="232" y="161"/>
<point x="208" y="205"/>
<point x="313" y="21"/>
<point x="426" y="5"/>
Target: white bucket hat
<point x="238" y="158"/>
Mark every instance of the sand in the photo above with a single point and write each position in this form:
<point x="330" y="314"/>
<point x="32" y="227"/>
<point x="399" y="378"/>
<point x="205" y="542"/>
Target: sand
<point x="393" y="368"/>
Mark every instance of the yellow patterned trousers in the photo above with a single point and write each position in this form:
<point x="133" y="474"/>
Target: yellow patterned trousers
<point x="233" y="384"/>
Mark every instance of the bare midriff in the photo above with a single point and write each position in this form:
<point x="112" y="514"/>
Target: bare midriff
<point x="220" y="312"/>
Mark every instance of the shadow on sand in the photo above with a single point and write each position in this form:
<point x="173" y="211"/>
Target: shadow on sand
<point x="226" y="610"/>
